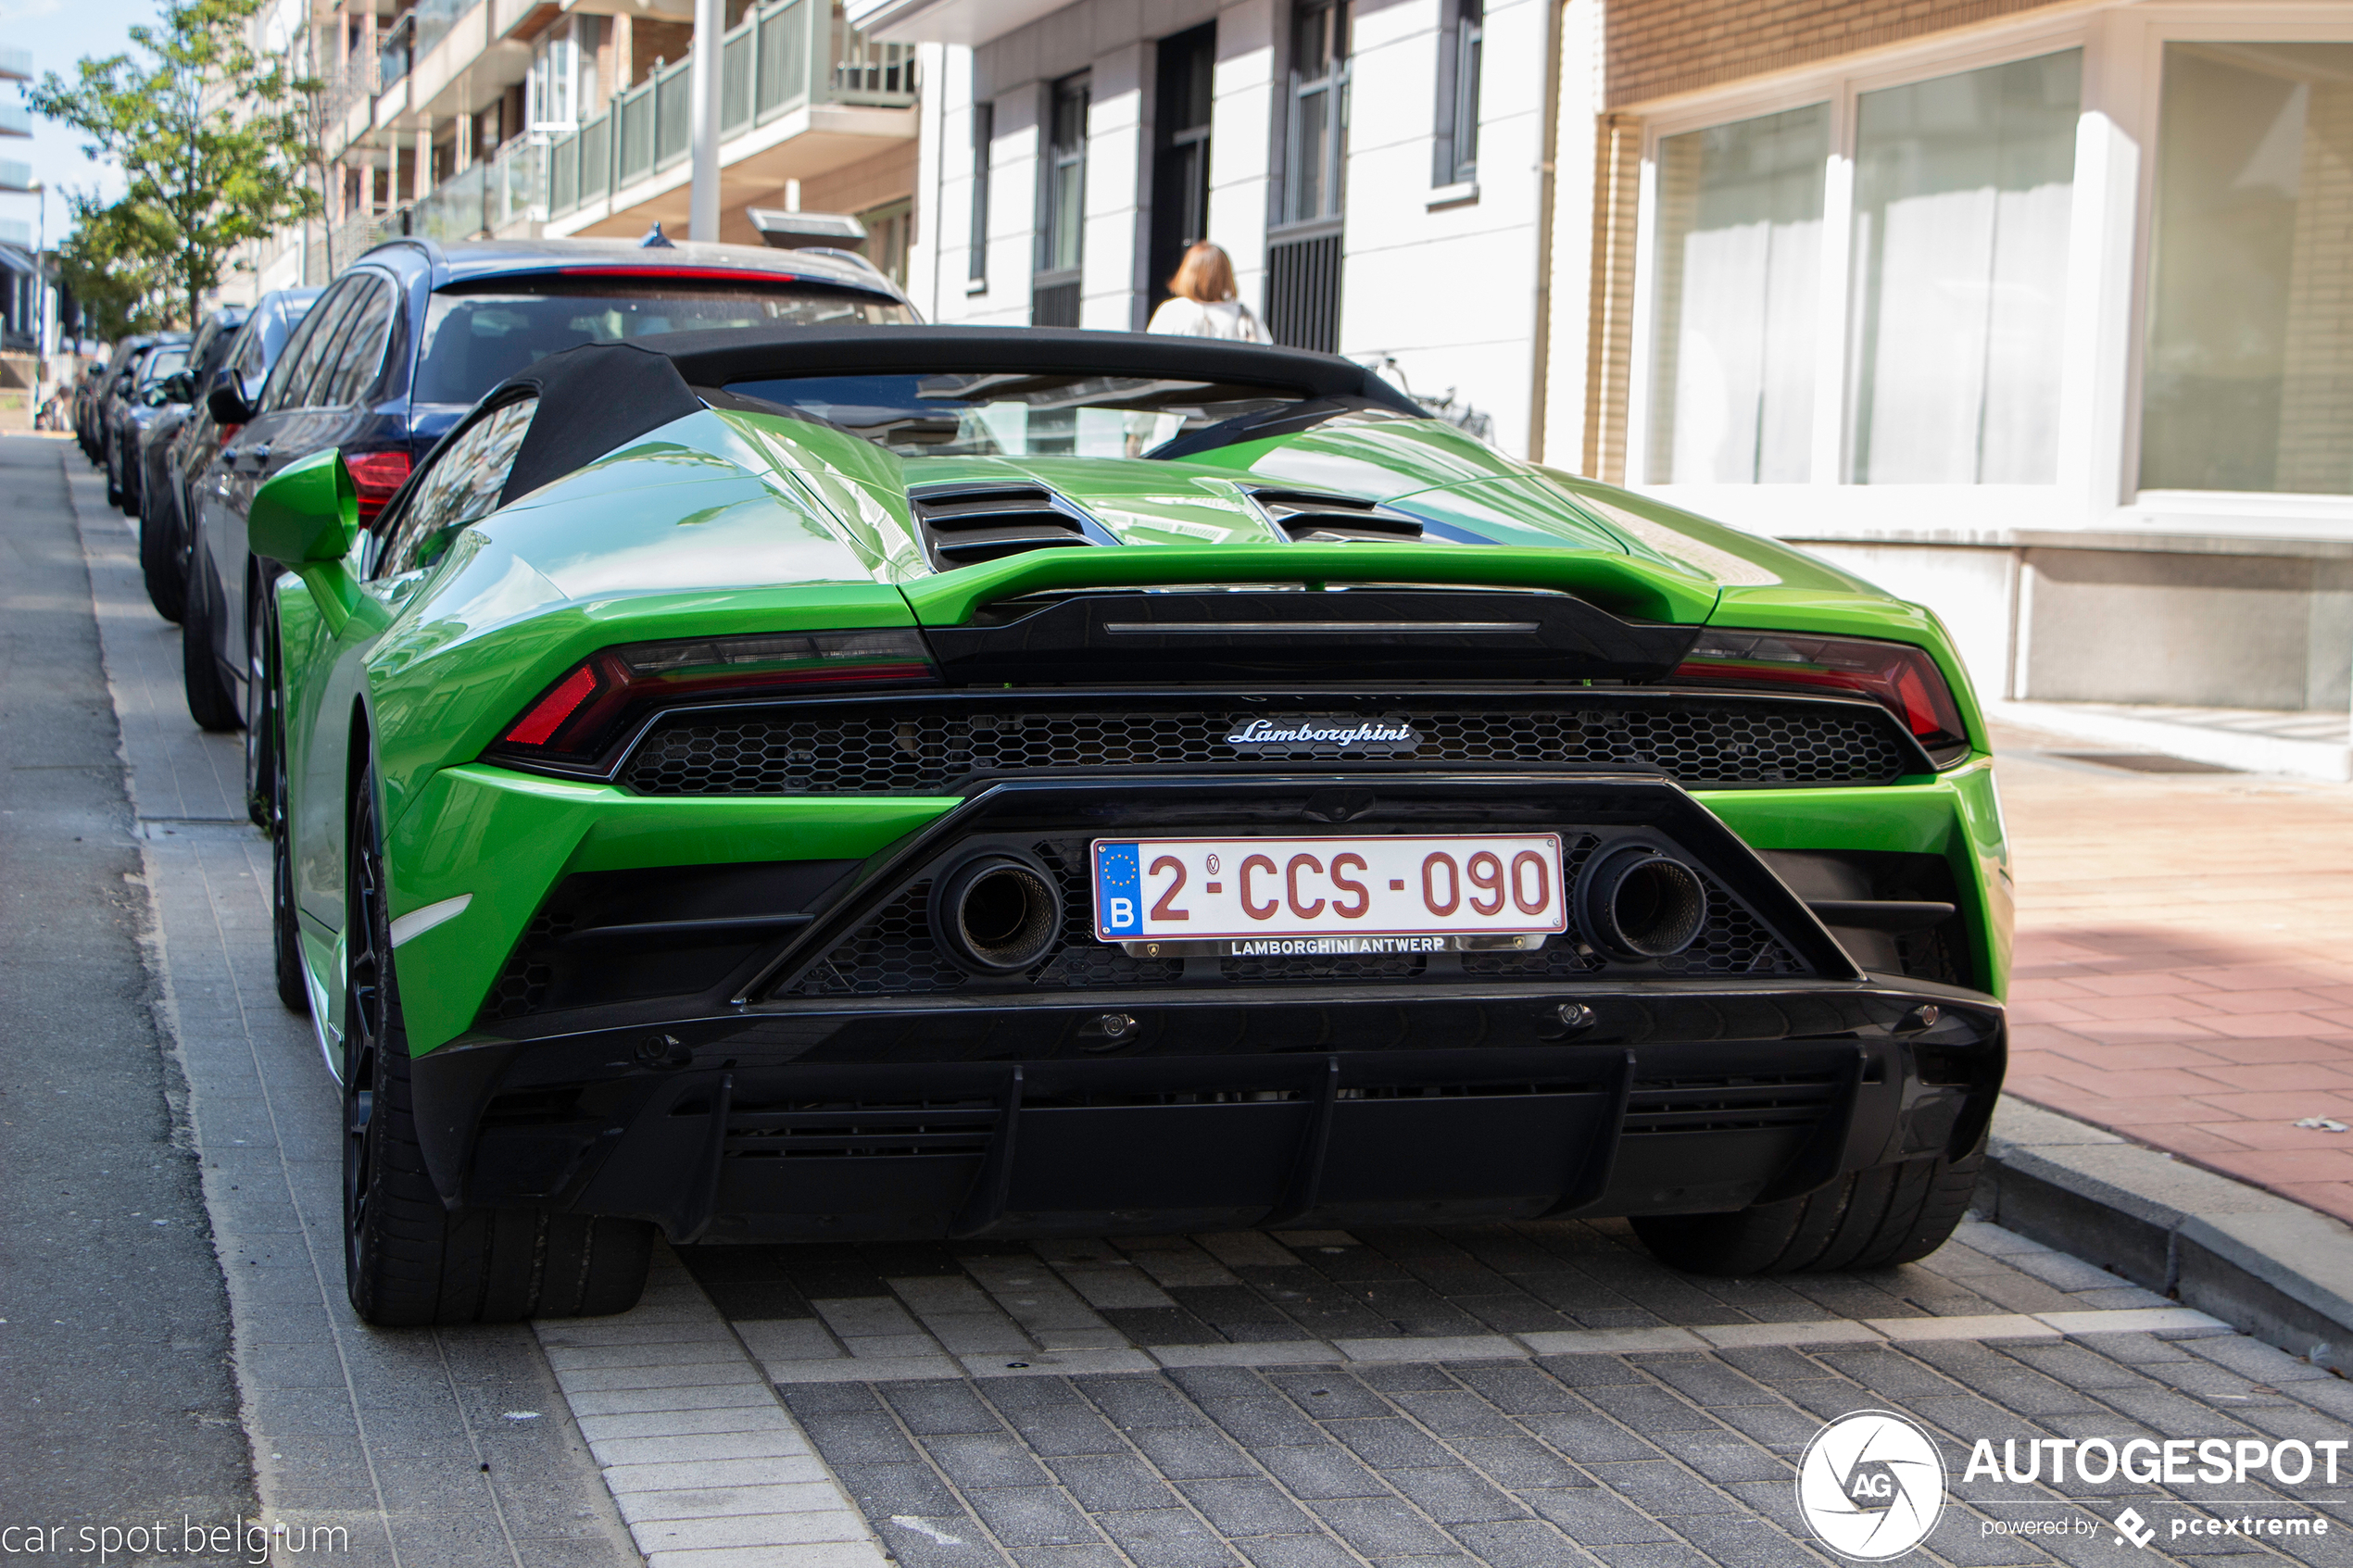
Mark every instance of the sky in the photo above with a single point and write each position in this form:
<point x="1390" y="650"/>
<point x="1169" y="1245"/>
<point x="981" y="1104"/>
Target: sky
<point x="58" y="32"/>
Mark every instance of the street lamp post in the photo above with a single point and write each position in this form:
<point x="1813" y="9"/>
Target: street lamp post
<point x="702" y="106"/>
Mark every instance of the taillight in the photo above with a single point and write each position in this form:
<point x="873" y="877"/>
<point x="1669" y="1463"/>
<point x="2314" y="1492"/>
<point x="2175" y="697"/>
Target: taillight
<point x="1899" y="677"/>
<point x="597" y="701"/>
<point x="375" y="475"/>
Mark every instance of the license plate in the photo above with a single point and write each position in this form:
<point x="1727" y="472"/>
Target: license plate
<point x="1280" y="896"/>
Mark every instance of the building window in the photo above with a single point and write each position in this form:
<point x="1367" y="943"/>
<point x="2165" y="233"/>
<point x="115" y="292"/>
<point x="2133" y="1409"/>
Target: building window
<point x="2248" y="382"/>
<point x="1062" y="225"/>
<point x="888" y="228"/>
<point x="1181" y="112"/>
<point x="1456" y="158"/>
<point x="1316" y="143"/>
<point x="1964" y="189"/>
<point x="984" y="137"/>
<point x="1739" y="254"/>
<point x="561" y="89"/>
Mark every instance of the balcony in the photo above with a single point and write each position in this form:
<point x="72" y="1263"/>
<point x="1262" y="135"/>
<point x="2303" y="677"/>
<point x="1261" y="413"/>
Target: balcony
<point x="15" y="65"/>
<point x="800" y="93"/>
<point x="15" y="121"/>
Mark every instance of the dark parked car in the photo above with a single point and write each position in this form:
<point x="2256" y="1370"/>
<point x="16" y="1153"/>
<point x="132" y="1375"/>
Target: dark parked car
<point x="411" y="335"/>
<point x="153" y="433"/>
<point x="87" y="388"/>
<point x="156" y="387"/>
<point x="169" y="467"/>
<point x="122" y="373"/>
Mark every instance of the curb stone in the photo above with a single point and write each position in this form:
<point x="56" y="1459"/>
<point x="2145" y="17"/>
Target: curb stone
<point x="2263" y="1264"/>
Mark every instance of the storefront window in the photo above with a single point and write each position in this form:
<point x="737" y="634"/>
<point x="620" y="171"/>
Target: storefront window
<point x="2249" y="378"/>
<point x="1963" y="190"/>
<point x="1740" y="242"/>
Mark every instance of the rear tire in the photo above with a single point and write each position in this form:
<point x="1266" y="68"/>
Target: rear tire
<point x="159" y="560"/>
<point x="1874" y="1219"/>
<point x="210" y="703"/>
<point x="408" y="1261"/>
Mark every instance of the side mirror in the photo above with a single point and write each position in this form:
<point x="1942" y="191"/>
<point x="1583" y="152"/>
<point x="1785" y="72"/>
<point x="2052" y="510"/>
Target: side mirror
<point x="180" y="386"/>
<point x="306" y="514"/>
<point x="226" y="401"/>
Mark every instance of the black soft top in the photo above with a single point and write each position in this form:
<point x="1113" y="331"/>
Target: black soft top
<point x="600" y="397"/>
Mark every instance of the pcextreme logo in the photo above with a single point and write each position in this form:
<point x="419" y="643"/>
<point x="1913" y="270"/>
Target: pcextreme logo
<point x="1871" y="1484"/>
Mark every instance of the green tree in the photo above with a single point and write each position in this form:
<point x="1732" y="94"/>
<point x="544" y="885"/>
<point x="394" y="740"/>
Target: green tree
<point x="208" y="136"/>
<point x="107" y="262"/>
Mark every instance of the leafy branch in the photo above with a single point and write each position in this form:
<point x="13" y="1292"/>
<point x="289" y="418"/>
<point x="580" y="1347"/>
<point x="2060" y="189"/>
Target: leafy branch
<point x="210" y="137"/>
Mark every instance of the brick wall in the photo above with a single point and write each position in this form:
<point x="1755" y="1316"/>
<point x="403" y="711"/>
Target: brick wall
<point x="1657" y="47"/>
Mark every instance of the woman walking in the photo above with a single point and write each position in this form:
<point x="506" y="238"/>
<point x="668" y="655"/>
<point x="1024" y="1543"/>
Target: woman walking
<point x="1202" y="300"/>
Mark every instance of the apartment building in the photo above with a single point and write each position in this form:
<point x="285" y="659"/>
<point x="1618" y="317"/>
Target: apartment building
<point x="471" y="119"/>
<point x="1373" y="170"/>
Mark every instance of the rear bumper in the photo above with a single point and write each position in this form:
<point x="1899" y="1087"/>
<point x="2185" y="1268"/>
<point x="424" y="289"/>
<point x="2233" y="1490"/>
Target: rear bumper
<point x="1025" y="1117"/>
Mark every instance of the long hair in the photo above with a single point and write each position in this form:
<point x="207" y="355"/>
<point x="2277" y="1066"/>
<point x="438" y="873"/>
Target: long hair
<point x="1206" y="274"/>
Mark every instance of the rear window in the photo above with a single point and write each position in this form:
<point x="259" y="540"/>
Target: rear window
<point x="477" y="338"/>
<point x="161" y="363"/>
<point x="1019" y="414"/>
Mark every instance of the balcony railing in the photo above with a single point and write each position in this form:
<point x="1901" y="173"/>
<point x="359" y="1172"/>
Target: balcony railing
<point x="782" y="56"/>
<point x="396" y="52"/>
<point x="15" y="121"/>
<point x="490" y="197"/>
<point x="435" y="19"/>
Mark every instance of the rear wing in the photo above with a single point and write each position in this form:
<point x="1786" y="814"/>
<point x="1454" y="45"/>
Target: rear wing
<point x="1635" y="590"/>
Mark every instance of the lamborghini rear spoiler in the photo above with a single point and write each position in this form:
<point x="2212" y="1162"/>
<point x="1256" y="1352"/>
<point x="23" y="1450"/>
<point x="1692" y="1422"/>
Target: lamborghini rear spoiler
<point x="1634" y="590"/>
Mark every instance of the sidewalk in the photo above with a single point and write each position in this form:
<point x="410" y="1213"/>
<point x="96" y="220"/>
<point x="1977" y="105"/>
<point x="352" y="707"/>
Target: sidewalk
<point x="2185" y="961"/>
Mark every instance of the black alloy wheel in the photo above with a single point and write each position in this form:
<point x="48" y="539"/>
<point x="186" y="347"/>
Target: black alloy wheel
<point x="369" y="1011"/>
<point x="264" y="722"/>
<point x="408" y="1261"/>
<point x="266" y="734"/>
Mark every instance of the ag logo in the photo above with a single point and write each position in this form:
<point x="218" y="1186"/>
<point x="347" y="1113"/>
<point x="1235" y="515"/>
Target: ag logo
<point x="1871" y="1484"/>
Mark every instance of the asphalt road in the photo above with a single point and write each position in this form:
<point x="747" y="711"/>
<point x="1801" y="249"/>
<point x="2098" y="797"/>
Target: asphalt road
<point x="116" y="1405"/>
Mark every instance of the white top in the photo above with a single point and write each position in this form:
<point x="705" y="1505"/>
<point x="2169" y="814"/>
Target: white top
<point x="1230" y="318"/>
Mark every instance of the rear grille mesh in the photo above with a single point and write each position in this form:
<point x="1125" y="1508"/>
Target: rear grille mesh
<point x="892" y="953"/>
<point x="916" y="750"/>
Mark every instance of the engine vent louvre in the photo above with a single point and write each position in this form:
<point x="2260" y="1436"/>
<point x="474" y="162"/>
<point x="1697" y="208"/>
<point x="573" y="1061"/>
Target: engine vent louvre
<point x="1310" y="517"/>
<point x="966" y="524"/>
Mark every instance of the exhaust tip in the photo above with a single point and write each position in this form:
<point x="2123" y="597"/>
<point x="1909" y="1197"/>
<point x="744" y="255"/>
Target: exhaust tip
<point x="996" y="913"/>
<point x="1640" y="903"/>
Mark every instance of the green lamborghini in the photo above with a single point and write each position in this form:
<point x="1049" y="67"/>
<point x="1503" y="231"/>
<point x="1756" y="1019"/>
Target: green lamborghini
<point x="886" y="783"/>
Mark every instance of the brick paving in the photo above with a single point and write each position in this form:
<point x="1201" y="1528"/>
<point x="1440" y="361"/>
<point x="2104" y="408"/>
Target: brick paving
<point x="2186" y="963"/>
<point x="1666" y="1457"/>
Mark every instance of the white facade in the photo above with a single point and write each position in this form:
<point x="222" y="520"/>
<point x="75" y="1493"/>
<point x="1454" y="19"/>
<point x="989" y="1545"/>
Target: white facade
<point x="2022" y="394"/>
<point x="1439" y="276"/>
